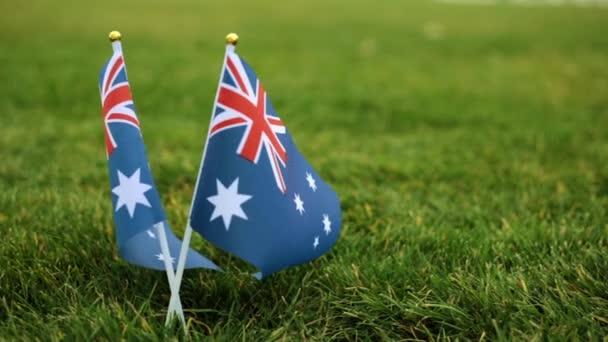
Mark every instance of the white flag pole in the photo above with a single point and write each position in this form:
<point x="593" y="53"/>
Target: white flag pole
<point x="164" y="248"/>
<point x="115" y="38"/>
<point x="231" y="41"/>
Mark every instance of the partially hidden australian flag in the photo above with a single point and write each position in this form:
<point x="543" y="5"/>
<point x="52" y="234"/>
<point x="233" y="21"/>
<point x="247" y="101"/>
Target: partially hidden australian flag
<point x="256" y="196"/>
<point x="136" y="202"/>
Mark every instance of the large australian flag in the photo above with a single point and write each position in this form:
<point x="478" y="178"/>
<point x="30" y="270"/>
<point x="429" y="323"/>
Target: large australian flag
<point x="256" y="196"/>
<point x="136" y="203"/>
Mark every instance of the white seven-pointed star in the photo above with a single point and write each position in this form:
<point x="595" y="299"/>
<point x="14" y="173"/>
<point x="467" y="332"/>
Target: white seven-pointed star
<point x="326" y="224"/>
<point x="311" y="181"/>
<point x="131" y="191"/>
<point x="316" y="243"/>
<point x="228" y="202"/>
<point x="299" y="204"/>
<point x="161" y="257"/>
<point x="151" y="234"/>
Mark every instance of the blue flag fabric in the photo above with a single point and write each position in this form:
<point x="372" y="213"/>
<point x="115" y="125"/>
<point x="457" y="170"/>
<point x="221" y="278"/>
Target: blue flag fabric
<point x="136" y="202"/>
<point x="256" y="196"/>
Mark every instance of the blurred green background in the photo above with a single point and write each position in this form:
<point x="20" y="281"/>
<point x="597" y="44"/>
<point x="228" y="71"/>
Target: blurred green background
<point x="468" y="144"/>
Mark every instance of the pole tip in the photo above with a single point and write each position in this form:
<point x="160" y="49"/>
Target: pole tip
<point x="232" y="38"/>
<point x="114" y="36"/>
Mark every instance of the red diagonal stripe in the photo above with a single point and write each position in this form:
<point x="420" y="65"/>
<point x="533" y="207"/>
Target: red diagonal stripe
<point x="125" y="117"/>
<point x="275" y="121"/>
<point x="280" y="151"/>
<point x="277" y="168"/>
<point x="236" y="75"/>
<point x="113" y="72"/>
<point x="227" y="123"/>
<point x="116" y="96"/>
<point x="235" y="101"/>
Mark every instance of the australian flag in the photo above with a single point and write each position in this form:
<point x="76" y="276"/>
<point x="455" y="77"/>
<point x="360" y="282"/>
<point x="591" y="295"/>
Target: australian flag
<point x="256" y="196"/>
<point x="136" y="203"/>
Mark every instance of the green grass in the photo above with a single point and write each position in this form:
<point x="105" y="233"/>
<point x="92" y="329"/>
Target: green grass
<point x="469" y="146"/>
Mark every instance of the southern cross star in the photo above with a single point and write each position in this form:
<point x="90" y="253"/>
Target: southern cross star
<point x="311" y="181"/>
<point x="326" y="224"/>
<point x="228" y="202"/>
<point x="130" y="192"/>
<point x="316" y="243"/>
<point x="299" y="204"/>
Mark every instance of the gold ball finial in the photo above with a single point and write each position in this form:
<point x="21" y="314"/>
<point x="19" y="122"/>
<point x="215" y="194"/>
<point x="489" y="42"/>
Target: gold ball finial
<point x="114" y="36"/>
<point x="232" y="38"/>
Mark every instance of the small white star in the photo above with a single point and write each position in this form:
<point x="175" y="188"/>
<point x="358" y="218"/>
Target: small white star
<point x="311" y="181"/>
<point x="316" y="243"/>
<point x="151" y="234"/>
<point x="130" y="192"/>
<point x="228" y="202"/>
<point x="161" y="257"/>
<point x="299" y="204"/>
<point x="326" y="224"/>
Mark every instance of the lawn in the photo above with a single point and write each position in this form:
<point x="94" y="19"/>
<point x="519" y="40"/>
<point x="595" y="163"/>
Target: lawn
<point x="468" y="144"/>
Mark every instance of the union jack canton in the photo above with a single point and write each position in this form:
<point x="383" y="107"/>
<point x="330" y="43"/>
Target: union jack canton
<point x="116" y="98"/>
<point x="242" y="101"/>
